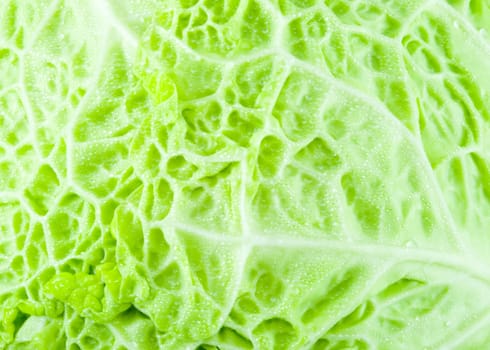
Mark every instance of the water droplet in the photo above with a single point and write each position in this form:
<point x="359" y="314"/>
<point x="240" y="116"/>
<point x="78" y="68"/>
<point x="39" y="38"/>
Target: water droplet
<point x="456" y="24"/>
<point x="410" y="244"/>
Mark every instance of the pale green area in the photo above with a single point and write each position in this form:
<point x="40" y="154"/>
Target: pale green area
<point x="245" y="174"/>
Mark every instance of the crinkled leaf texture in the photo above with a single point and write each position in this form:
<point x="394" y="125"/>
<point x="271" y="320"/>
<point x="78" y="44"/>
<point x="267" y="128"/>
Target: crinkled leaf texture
<point x="245" y="174"/>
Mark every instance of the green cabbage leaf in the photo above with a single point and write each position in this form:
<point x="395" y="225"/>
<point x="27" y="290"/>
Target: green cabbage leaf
<point x="245" y="174"/>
